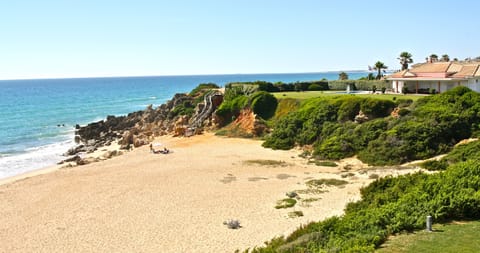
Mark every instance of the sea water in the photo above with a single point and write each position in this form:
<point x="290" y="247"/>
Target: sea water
<point x="38" y="117"/>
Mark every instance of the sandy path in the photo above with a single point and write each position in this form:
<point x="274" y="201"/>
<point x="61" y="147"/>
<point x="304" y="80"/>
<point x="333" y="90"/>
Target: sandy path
<point x="143" y="202"/>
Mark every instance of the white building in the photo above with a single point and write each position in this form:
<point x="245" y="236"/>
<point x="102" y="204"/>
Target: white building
<point x="438" y="76"/>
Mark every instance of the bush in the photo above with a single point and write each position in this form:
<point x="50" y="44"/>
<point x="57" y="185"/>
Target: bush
<point x="403" y="112"/>
<point x="231" y="108"/>
<point x="375" y="108"/>
<point x="263" y="104"/>
<point x="203" y="86"/>
<point x="401" y="102"/>
<point x="390" y="205"/>
<point x="429" y="127"/>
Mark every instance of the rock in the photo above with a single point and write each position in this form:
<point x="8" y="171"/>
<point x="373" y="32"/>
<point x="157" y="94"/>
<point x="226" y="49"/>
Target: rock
<point x="111" y="153"/>
<point x="138" y="128"/>
<point x="87" y="160"/>
<point x="179" y="131"/>
<point x="127" y="138"/>
<point x="291" y="194"/>
<point x="232" y="224"/>
<point x="71" y="159"/>
<point x="138" y="142"/>
<point x="361" y="117"/>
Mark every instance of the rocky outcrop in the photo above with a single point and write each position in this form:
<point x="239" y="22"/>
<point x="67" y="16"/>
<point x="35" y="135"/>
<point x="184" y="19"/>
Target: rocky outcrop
<point x="139" y="128"/>
<point x="248" y="122"/>
<point x="361" y="117"/>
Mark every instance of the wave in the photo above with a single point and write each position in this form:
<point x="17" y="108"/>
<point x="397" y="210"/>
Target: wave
<point x="33" y="158"/>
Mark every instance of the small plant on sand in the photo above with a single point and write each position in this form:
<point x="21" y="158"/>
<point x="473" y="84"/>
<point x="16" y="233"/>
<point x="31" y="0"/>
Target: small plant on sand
<point x="295" y="214"/>
<point x="326" y="163"/>
<point x="305" y="154"/>
<point x="373" y="176"/>
<point x="273" y="163"/>
<point x="347" y="167"/>
<point x="307" y="202"/>
<point x="291" y="194"/>
<point x="325" y="182"/>
<point x="232" y="224"/>
<point x="349" y="174"/>
<point x="286" y="203"/>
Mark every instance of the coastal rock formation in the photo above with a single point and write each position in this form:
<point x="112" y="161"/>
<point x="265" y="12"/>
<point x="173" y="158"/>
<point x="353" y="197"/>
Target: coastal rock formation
<point x="361" y="117"/>
<point x="249" y="123"/>
<point x="139" y="128"/>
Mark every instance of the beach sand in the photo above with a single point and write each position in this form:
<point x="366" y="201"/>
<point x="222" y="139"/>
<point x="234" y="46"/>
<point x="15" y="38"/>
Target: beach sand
<point x="144" y="202"/>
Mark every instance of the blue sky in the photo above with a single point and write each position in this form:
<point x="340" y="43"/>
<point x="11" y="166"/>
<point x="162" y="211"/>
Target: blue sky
<point x="81" y="38"/>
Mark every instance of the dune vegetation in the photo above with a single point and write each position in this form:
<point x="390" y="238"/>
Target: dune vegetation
<point x="391" y="205"/>
<point x="428" y="127"/>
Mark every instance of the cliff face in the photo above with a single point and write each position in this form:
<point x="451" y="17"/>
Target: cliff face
<point x="139" y="128"/>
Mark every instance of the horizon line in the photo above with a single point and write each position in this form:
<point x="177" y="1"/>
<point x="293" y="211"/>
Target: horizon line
<point x="154" y="75"/>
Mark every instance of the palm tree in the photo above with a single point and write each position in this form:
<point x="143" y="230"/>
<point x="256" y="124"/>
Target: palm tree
<point x="433" y="58"/>
<point x="379" y="66"/>
<point x="343" y="76"/>
<point x="405" y="59"/>
<point x="445" y="57"/>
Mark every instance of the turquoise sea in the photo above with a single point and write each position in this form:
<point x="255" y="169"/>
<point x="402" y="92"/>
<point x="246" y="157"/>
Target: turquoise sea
<point x="37" y="117"/>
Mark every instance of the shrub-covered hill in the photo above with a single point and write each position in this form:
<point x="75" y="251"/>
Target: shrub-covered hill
<point x="430" y="126"/>
<point x="391" y="205"/>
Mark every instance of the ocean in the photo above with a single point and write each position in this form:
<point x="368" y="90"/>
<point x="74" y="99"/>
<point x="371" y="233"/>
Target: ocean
<point x="38" y="117"/>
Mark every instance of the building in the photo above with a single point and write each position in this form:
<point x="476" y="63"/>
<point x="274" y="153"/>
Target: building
<point x="437" y="77"/>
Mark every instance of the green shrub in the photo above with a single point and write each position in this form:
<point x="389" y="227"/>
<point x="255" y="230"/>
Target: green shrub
<point x="434" y="165"/>
<point x="285" y="203"/>
<point x="326" y="163"/>
<point x="263" y="104"/>
<point x="375" y="108"/>
<point x="402" y="102"/>
<point x="403" y="112"/>
<point x="349" y="108"/>
<point x="429" y="127"/>
<point x="390" y="205"/>
<point x="203" y="86"/>
<point x="231" y="108"/>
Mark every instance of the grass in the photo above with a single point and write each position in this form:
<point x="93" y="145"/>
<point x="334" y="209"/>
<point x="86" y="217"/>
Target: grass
<point x="286" y="203"/>
<point x="325" y="182"/>
<point x="453" y="237"/>
<point x="232" y="130"/>
<point x="313" y="94"/>
<point x="307" y="202"/>
<point x="324" y="163"/>
<point x="272" y="163"/>
<point x="285" y="106"/>
<point x="295" y="214"/>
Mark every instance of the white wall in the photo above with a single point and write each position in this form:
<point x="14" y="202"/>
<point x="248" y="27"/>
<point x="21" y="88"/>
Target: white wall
<point x="474" y="84"/>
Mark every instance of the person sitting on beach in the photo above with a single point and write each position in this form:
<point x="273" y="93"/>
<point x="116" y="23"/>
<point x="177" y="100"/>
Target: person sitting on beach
<point x="164" y="151"/>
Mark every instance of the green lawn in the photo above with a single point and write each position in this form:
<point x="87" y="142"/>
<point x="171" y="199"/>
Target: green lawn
<point x="313" y="94"/>
<point x="454" y="237"/>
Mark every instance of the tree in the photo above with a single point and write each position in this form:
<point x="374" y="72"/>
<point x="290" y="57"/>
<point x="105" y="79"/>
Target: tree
<point x="379" y="66"/>
<point x="445" y="57"/>
<point x="371" y="76"/>
<point x="405" y="59"/>
<point x="343" y="76"/>
<point x="433" y="58"/>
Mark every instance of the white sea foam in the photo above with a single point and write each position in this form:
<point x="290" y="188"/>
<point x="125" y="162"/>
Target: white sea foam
<point x="34" y="158"/>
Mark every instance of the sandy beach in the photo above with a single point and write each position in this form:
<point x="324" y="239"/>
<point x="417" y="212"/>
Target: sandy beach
<point x="144" y="202"/>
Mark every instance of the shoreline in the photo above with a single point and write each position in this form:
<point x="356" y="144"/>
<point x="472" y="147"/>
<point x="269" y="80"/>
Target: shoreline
<point x="177" y="202"/>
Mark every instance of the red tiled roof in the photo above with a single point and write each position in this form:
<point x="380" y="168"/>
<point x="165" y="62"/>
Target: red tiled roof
<point x="436" y="67"/>
<point x="450" y="69"/>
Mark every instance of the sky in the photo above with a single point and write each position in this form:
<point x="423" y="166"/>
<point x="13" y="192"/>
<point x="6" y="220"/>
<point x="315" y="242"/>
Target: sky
<point x="92" y="38"/>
